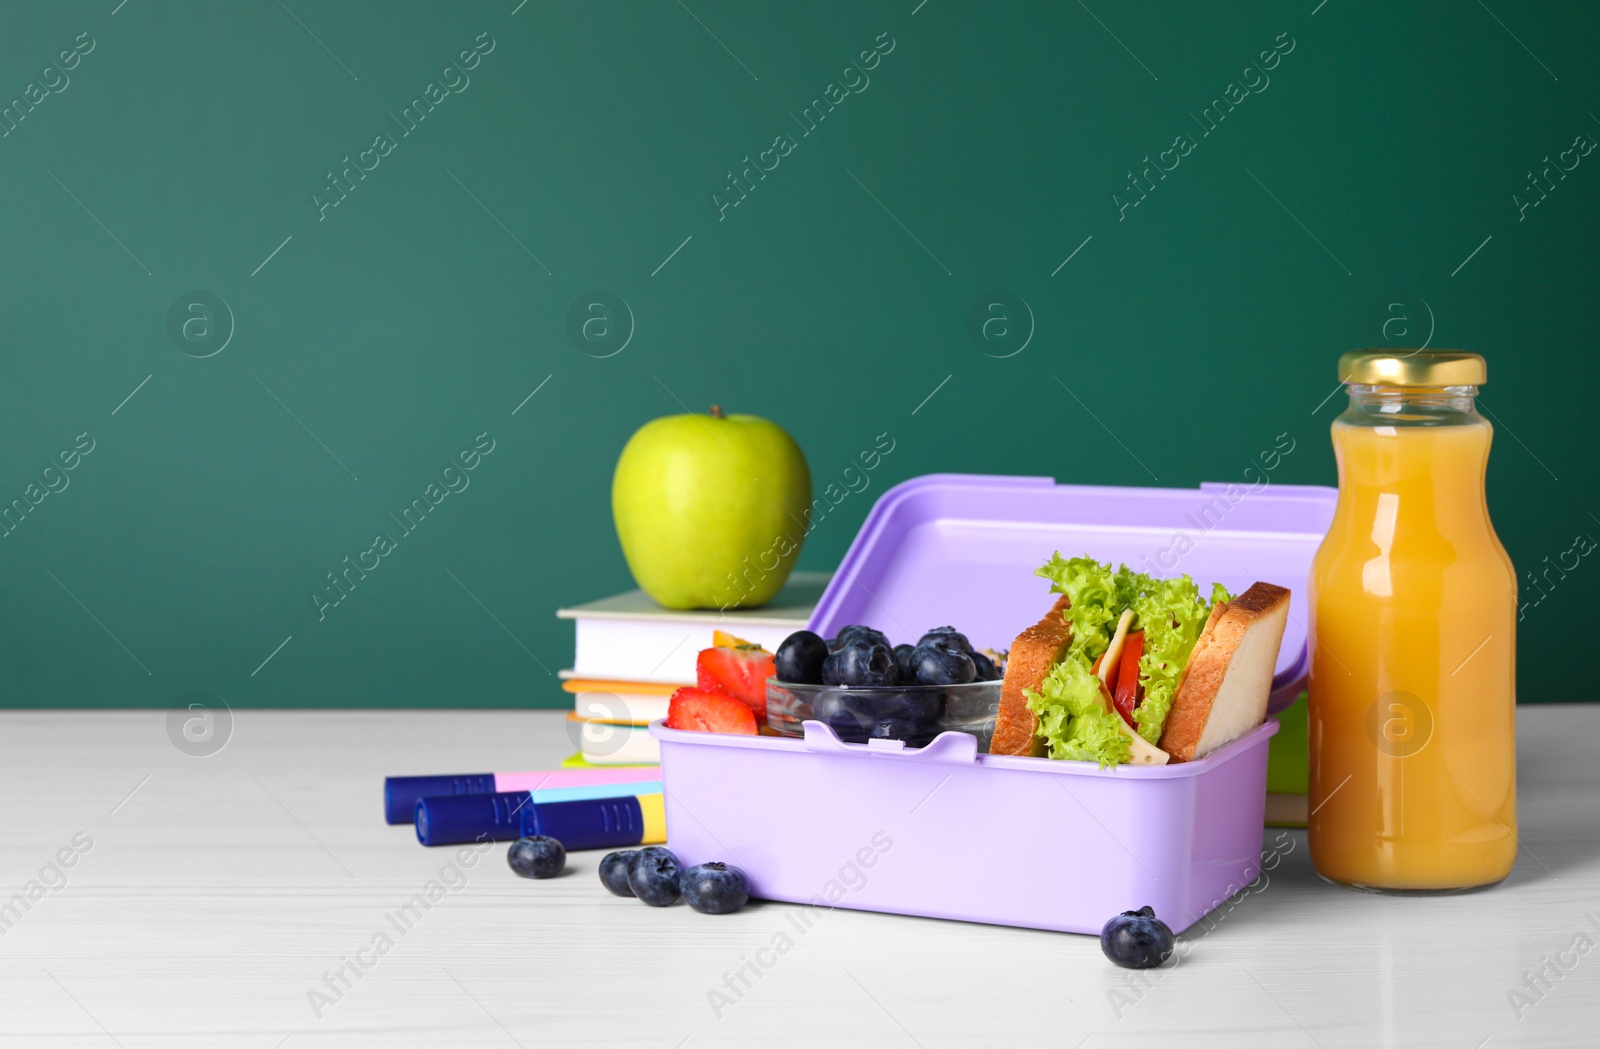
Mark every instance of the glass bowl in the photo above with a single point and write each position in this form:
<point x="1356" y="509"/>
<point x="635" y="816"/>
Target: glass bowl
<point x="914" y="713"/>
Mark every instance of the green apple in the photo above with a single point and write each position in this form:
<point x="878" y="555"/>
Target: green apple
<point x="711" y="509"/>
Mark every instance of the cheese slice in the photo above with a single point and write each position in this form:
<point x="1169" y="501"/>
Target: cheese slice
<point x="1113" y="653"/>
<point x="1140" y="752"/>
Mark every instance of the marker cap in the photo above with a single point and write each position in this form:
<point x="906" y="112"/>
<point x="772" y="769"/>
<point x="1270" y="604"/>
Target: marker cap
<point x="401" y="793"/>
<point x="460" y="818"/>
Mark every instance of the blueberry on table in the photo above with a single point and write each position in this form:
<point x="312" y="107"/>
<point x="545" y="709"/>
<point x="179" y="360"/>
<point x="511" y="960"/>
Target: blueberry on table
<point x="948" y="636"/>
<point x="937" y="664"/>
<point x="861" y="662"/>
<point x="1137" y="939"/>
<point x="799" y="658"/>
<point x="614" y="872"/>
<point x="715" y="888"/>
<point x="537" y="857"/>
<point x="655" y="877"/>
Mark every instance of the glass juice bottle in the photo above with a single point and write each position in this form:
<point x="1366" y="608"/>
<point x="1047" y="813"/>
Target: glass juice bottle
<point x="1413" y="606"/>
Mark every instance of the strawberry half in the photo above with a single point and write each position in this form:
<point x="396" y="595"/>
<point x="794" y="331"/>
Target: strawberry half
<point x="708" y="710"/>
<point x="740" y="669"/>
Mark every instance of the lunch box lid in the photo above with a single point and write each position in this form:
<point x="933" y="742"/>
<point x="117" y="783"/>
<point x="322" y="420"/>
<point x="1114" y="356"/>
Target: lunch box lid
<point x="961" y="550"/>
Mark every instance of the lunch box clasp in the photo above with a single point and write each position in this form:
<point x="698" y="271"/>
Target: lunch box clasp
<point x="953" y="748"/>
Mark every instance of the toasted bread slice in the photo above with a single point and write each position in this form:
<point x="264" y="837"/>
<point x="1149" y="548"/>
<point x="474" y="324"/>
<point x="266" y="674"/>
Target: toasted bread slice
<point x="1224" y="688"/>
<point x="1034" y="653"/>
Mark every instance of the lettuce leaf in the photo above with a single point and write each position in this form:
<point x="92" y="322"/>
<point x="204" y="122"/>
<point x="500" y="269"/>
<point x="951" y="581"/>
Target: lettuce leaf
<point x="1072" y="721"/>
<point x="1171" y="613"/>
<point x="1094" y="600"/>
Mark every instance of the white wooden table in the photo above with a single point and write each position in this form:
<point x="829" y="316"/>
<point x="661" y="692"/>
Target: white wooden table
<point x="208" y="896"/>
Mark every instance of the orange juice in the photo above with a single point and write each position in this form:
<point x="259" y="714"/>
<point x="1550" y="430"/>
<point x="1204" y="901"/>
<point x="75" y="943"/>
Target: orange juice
<point x="1413" y="611"/>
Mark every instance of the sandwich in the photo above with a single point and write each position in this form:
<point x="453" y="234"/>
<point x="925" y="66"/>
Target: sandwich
<point x="1130" y="669"/>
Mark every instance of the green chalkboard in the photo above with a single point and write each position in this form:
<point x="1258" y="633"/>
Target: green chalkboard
<point x="272" y="270"/>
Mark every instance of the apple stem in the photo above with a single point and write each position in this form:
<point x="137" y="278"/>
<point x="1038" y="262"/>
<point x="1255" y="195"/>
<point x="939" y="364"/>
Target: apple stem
<point x="716" y="411"/>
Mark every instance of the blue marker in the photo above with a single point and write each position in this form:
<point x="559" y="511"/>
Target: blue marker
<point x="592" y="822"/>
<point x="401" y="793"/>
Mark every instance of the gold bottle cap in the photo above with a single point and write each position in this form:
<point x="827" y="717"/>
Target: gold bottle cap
<point x="1413" y="368"/>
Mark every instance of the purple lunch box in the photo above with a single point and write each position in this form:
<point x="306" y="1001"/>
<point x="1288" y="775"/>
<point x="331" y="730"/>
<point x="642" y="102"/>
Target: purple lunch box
<point x="946" y="832"/>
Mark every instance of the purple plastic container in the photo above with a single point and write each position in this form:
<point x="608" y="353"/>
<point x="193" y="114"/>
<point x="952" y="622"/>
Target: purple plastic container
<point x="946" y="832"/>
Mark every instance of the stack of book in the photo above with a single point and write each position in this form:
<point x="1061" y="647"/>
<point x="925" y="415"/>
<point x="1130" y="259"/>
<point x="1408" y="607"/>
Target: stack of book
<point x="632" y="654"/>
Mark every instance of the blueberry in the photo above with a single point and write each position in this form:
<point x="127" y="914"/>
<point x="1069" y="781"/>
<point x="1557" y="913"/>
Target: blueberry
<point x="537" y="857"/>
<point x="902" y="662"/>
<point x="827" y="705"/>
<point x="861" y="662"/>
<point x="987" y="671"/>
<point x="923" y="707"/>
<point x="799" y="658"/>
<point x="655" y="877"/>
<point x="715" y="888"/>
<point x="614" y="872"/>
<point x="938" y="665"/>
<point x="853" y="632"/>
<point x="1137" y="939"/>
<point x="838" y="710"/>
<point x="854" y="715"/>
<point x="948" y="636"/>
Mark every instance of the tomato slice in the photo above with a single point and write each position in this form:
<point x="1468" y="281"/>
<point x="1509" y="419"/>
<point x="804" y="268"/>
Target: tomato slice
<point x="1126" y="696"/>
